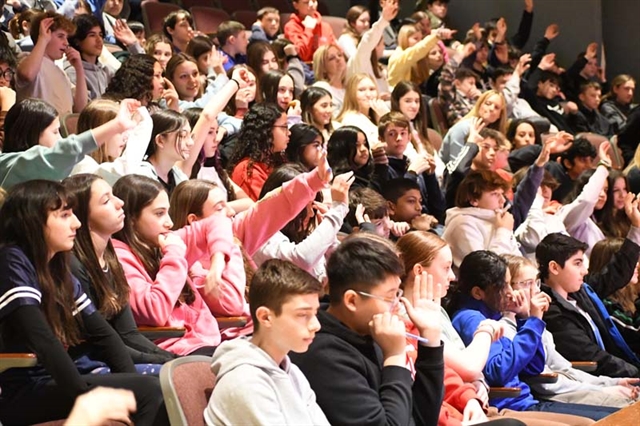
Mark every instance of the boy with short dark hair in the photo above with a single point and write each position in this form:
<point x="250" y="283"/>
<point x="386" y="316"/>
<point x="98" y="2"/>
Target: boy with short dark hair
<point x="307" y="30"/>
<point x="233" y="43"/>
<point x="357" y="364"/>
<point x="395" y="131"/>
<point x="178" y="27"/>
<point x="577" y="318"/>
<point x="256" y="383"/>
<point x="573" y="162"/>
<point x="588" y="117"/>
<point x="38" y="76"/>
<point x="267" y="27"/>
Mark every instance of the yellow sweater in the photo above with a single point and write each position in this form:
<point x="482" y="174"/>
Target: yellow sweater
<point x="401" y="61"/>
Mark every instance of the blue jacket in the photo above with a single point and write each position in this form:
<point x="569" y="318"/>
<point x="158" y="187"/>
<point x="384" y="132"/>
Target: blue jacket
<point x="507" y="358"/>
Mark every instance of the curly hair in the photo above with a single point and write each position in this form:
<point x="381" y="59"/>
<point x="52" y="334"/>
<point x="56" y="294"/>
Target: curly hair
<point x="134" y="80"/>
<point x="255" y="138"/>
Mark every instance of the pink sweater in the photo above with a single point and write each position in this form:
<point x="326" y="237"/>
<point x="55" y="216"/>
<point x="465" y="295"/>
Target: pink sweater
<point x="254" y="227"/>
<point x="155" y="302"/>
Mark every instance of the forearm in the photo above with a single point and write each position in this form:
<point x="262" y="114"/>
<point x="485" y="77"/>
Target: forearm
<point x="29" y="67"/>
<point x="81" y="95"/>
<point x="111" y="349"/>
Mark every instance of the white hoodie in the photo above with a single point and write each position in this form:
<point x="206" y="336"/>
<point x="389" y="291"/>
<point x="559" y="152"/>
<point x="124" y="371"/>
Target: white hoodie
<point x="469" y="229"/>
<point x="252" y="389"/>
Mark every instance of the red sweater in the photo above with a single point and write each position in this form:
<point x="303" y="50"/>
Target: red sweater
<point x="251" y="185"/>
<point x="307" y="41"/>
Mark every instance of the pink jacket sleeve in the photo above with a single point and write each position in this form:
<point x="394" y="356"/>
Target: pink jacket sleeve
<point x="153" y="301"/>
<point x="255" y="226"/>
<point x="206" y="237"/>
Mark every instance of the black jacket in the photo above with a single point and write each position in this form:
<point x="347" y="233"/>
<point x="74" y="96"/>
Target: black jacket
<point x="589" y="121"/>
<point x="352" y="387"/>
<point x="572" y="332"/>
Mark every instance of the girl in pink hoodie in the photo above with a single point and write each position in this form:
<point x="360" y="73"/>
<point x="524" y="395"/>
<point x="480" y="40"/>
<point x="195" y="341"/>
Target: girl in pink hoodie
<point x="222" y="282"/>
<point x="158" y="262"/>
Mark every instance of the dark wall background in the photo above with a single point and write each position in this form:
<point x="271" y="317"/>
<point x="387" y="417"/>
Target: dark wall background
<point x="614" y="22"/>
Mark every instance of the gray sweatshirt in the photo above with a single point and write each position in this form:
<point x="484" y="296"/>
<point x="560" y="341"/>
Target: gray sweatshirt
<point x="252" y="389"/>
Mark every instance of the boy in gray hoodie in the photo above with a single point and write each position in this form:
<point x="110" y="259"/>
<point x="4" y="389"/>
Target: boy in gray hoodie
<point x="256" y="383"/>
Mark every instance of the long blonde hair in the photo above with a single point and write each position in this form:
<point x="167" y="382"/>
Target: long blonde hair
<point x="420" y="70"/>
<point x="350" y="103"/>
<point x="319" y="63"/>
<point x="500" y="124"/>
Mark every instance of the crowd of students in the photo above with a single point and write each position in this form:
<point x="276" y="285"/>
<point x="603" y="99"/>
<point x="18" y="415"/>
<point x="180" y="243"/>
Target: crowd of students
<point x="389" y="273"/>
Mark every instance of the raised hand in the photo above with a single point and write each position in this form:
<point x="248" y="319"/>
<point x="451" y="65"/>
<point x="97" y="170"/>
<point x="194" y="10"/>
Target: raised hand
<point x="523" y="64"/>
<point x="477" y="124"/>
<point x="128" y="116"/>
<point x="241" y="75"/>
<point x="324" y="170"/>
<point x="389" y="9"/>
<point x="547" y="62"/>
<point x="123" y="33"/>
<point x="310" y="22"/>
<point x="45" y="30"/>
<point x="445" y="33"/>
<point x="361" y="216"/>
<point x="340" y="187"/>
<point x="631" y="209"/>
<point x="398" y="229"/>
<point x="423" y="307"/>
<point x="592" y="51"/>
<point x="170" y="95"/>
<point x="552" y="32"/>
<point x="604" y="152"/>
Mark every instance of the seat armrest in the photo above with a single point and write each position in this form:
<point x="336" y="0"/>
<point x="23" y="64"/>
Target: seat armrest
<point x="588" y="366"/>
<point x="231" y="322"/>
<point x="154" y="333"/>
<point x="543" y="378"/>
<point x="504" y="392"/>
<point x="17" y="360"/>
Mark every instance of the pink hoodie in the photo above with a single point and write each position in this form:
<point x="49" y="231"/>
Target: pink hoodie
<point x="155" y="303"/>
<point x="254" y="227"/>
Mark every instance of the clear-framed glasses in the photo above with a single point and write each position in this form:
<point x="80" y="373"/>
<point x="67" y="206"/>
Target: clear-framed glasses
<point x="526" y="284"/>
<point x="282" y="126"/>
<point x="393" y="302"/>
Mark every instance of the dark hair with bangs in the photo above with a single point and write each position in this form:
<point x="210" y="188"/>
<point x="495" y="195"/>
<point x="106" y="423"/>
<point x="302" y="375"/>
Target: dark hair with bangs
<point x="23" y="222"/>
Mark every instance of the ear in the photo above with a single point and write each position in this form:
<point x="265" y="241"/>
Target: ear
<point x="554" y="267"/>
<point x="159" y="141"/>
<point x="474" y="203"/>
<point x="264" y="316"/>
<point x="568" y="164"/>
<point x="191" y="217"/>
<point x="391" y="207"/>
<point x="417" y="269"/>
<point x="477" y="293"/>
<point x="169" y="30"/>
<point x="349" y="300"/>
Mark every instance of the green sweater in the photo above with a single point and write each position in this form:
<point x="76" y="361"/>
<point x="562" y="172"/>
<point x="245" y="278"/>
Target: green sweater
<point x="39" y="162"/>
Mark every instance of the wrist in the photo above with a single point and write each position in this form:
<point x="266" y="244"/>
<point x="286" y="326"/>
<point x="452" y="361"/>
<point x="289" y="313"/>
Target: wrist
<point x="605" y="163"/>
<point x="236" y="82"/>
<point x="397" y="359"/>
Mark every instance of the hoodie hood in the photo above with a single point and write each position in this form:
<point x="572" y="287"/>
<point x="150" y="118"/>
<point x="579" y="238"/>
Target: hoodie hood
<point x="241" y="352"/>
<point x="455" y="212"/>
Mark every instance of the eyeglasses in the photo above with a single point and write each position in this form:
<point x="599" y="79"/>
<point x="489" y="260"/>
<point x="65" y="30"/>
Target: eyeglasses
<point x="526" y="284"/>
<point x="282" y="126"/>
<point x="7" y="74"/>
<point x="394" y="302"/>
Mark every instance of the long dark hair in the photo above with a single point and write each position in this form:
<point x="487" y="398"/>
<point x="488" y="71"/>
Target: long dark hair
<point x="614" y="223"/>
<point x="293" y="230"/>
<point x="138" y="192"/>
<point x="25" y="122"/>
<point x="420" y="123"/>
<point x="255" y="138"/>
<point x="341" y="150"/>
<point x="269" y="83"/>
<point x="23" y="219"/>
<point x="302" y="135"/>
<point x="193" y="115"/>
<point x="112" y="292"/>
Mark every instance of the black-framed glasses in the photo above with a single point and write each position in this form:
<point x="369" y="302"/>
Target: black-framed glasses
<point x="7" y="74"/>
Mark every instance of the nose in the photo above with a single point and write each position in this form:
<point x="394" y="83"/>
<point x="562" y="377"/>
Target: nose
<point x="75" y="224"/>
<point x="451" y="276"/>
<point x="168" y="223"/>
<point x="314" y="324"/>
<point x="118" y="202"/>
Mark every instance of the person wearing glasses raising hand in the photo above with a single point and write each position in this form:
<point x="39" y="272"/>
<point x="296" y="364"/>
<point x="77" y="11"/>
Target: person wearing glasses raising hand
<point x="573" y="385"/>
